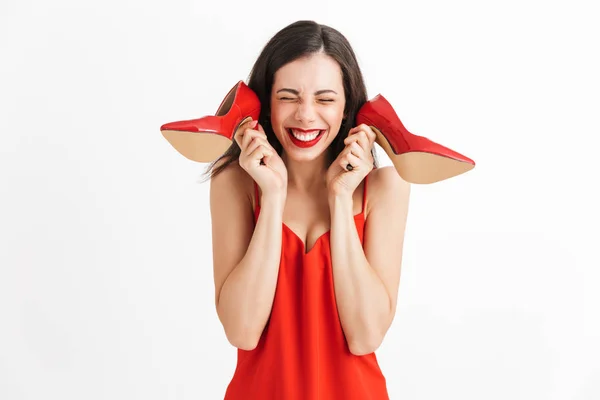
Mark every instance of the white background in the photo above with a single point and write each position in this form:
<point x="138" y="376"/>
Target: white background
<point x="106" y="287"/>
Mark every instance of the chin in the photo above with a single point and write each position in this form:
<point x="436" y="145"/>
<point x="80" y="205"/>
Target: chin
<point x="303" y="157"/>
<point x="305" y="154"/>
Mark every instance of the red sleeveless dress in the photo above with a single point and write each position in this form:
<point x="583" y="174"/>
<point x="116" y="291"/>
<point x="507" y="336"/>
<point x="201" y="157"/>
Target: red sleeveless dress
<point x="302" y="353"/>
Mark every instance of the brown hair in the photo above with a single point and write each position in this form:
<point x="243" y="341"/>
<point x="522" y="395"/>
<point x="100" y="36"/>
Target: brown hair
<point x="301" y="39"/>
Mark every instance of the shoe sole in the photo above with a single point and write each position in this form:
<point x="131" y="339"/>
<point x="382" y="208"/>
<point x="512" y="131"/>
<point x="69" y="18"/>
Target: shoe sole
<point x="203" y="147"/>
<point x="421" y="167"/>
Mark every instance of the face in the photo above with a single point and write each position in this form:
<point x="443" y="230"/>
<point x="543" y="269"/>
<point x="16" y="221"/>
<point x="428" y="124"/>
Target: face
<point x="307" y="105"/>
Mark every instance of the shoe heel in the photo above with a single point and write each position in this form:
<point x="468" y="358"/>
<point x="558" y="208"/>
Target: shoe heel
<point x="416" y="158"/>
<point x="205" y="139"/>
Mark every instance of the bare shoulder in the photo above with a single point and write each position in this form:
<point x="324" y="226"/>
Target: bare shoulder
<point x="386" y="186"/>
<point x="233" y="180"/>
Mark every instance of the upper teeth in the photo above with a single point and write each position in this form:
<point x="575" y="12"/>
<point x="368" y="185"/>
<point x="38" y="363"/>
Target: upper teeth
<point x="304" y="136"/>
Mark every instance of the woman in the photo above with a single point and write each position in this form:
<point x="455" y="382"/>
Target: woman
<point x="306" y="260"/>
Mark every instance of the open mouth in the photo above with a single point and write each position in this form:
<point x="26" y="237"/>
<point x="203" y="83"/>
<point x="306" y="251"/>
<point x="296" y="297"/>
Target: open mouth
<point x="305" y="139"/>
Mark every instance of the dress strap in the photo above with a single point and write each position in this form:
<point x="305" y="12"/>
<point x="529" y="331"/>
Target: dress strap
<point x="364" y="200"/>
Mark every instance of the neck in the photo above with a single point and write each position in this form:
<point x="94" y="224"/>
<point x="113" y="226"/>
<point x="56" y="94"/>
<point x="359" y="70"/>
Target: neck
<point x="306" y="176"/>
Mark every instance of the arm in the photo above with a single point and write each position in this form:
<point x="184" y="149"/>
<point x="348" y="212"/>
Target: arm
<point x="245" y="259"/>
<point x="366" y="281"/>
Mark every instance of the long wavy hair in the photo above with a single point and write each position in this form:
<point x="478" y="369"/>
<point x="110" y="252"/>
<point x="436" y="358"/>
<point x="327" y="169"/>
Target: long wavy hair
<point x="297" y="40"/>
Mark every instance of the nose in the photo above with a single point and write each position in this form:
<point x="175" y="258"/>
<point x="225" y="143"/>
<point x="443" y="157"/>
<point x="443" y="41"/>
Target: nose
<point x="306" y="112"/>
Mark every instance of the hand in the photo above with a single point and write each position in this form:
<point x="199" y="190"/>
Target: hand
<point x="260" y="159"/>
<point x="357" y="153"/>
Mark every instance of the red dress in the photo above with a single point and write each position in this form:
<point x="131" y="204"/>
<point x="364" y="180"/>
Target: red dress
<point x="302" y="353"/>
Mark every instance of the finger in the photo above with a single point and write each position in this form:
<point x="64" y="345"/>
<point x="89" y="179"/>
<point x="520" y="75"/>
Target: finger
<point x="259" y="129"/>
<point x="369" y="132"/>
<point x="354" y="161"/>
<point x="239" y="133"/>
<point x="350" y="139"/>
<point x="357" y="150"/>
<point x="253" y="132"/>
<point x="257" y="141"/>
<point x="365" y="140"/>
<point x="261" y="132"/>
<point x="350" y="159"/>
<point x="353" y="147"/>
<point x="362" y="139"/>
<point x="367" y="136"/>
<point x="249" y="134"/>
<point x="354" y="129"/>
<point x="344" y="152"/>
<point x="238" y="136"/>
<point x="259" y="153"/>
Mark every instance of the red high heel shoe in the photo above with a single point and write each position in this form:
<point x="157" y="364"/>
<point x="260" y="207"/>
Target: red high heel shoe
<point x="416" y="158"/>
<point x="207" y="138"/>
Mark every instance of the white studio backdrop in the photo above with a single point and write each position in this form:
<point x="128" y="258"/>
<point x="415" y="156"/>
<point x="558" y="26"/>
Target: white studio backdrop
<point x="106" y="287"/>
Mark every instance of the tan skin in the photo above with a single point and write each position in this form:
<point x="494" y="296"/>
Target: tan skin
<point x="307" y="94"/>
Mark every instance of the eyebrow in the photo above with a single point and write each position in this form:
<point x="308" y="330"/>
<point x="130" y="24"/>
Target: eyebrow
<point x="318" y="92"/>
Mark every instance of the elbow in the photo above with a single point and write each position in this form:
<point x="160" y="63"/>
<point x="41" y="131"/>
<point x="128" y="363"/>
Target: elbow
<point x="238" y="333"/>
<point x="243" y="340"/>
<point x="247" y="345"/>
<point x="364" y="347"/>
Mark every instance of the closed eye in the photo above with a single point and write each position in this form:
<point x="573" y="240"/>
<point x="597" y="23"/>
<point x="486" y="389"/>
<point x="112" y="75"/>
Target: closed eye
<point x="322" y="100"/>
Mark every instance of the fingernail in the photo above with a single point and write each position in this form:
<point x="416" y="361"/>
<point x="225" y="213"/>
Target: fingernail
<point x="254" y="123"/>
